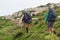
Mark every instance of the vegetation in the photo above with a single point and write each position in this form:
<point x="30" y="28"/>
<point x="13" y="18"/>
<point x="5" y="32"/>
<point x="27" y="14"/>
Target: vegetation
<point x="37" y="31"/>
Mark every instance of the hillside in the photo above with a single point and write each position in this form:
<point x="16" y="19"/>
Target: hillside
<point x="35" y="11"/>
<point x="37" y="31"/>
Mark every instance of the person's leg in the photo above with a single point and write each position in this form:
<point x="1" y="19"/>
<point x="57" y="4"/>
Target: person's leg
<point x="27" y="30"/>
<point x="52" y="29"/>
<point x="49" y="27"/>
<point x="27" y="27"/>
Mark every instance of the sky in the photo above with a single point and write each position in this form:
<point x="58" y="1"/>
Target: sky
<point x="8" y="7"/>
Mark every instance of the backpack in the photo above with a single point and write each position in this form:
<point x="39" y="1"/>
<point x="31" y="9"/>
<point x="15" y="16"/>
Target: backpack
<point x="27" y="17"/>
<point x="52" y="18"/>
<point x="51" y="15"/>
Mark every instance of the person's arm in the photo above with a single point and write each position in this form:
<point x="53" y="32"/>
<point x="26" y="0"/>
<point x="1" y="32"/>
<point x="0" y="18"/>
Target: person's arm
<point x="22" y="19"/>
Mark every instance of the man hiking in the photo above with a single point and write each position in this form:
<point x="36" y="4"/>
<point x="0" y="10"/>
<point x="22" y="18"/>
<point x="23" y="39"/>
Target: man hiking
<point x="27" y="19"/>
<point x="50" y="18"/>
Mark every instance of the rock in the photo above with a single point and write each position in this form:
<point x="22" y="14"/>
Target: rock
<point x="59" y="16"/>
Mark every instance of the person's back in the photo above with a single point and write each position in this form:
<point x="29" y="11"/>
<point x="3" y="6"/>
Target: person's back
<point x="52" y="15"/>
<point x="27" y="19"/>
<point x="51" y="19"/>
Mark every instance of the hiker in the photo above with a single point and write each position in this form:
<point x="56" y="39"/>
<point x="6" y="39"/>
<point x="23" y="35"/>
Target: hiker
<point x="50" y="18"/>
<point x="27" y="19"/>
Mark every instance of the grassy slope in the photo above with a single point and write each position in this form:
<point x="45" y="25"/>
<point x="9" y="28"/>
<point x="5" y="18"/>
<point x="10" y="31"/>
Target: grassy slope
<point x="37" y="31"/>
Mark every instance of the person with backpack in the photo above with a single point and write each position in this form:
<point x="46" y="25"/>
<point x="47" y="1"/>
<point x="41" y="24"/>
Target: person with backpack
<point x="50" y="18"/>
<point x="27" y="19"/>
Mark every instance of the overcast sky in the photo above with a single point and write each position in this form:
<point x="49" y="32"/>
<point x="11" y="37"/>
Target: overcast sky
<point x="10" y="6"/>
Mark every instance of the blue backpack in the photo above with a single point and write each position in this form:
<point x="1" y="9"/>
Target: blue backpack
<point x="50" y="18"/>
<point x="52" y="15"/>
